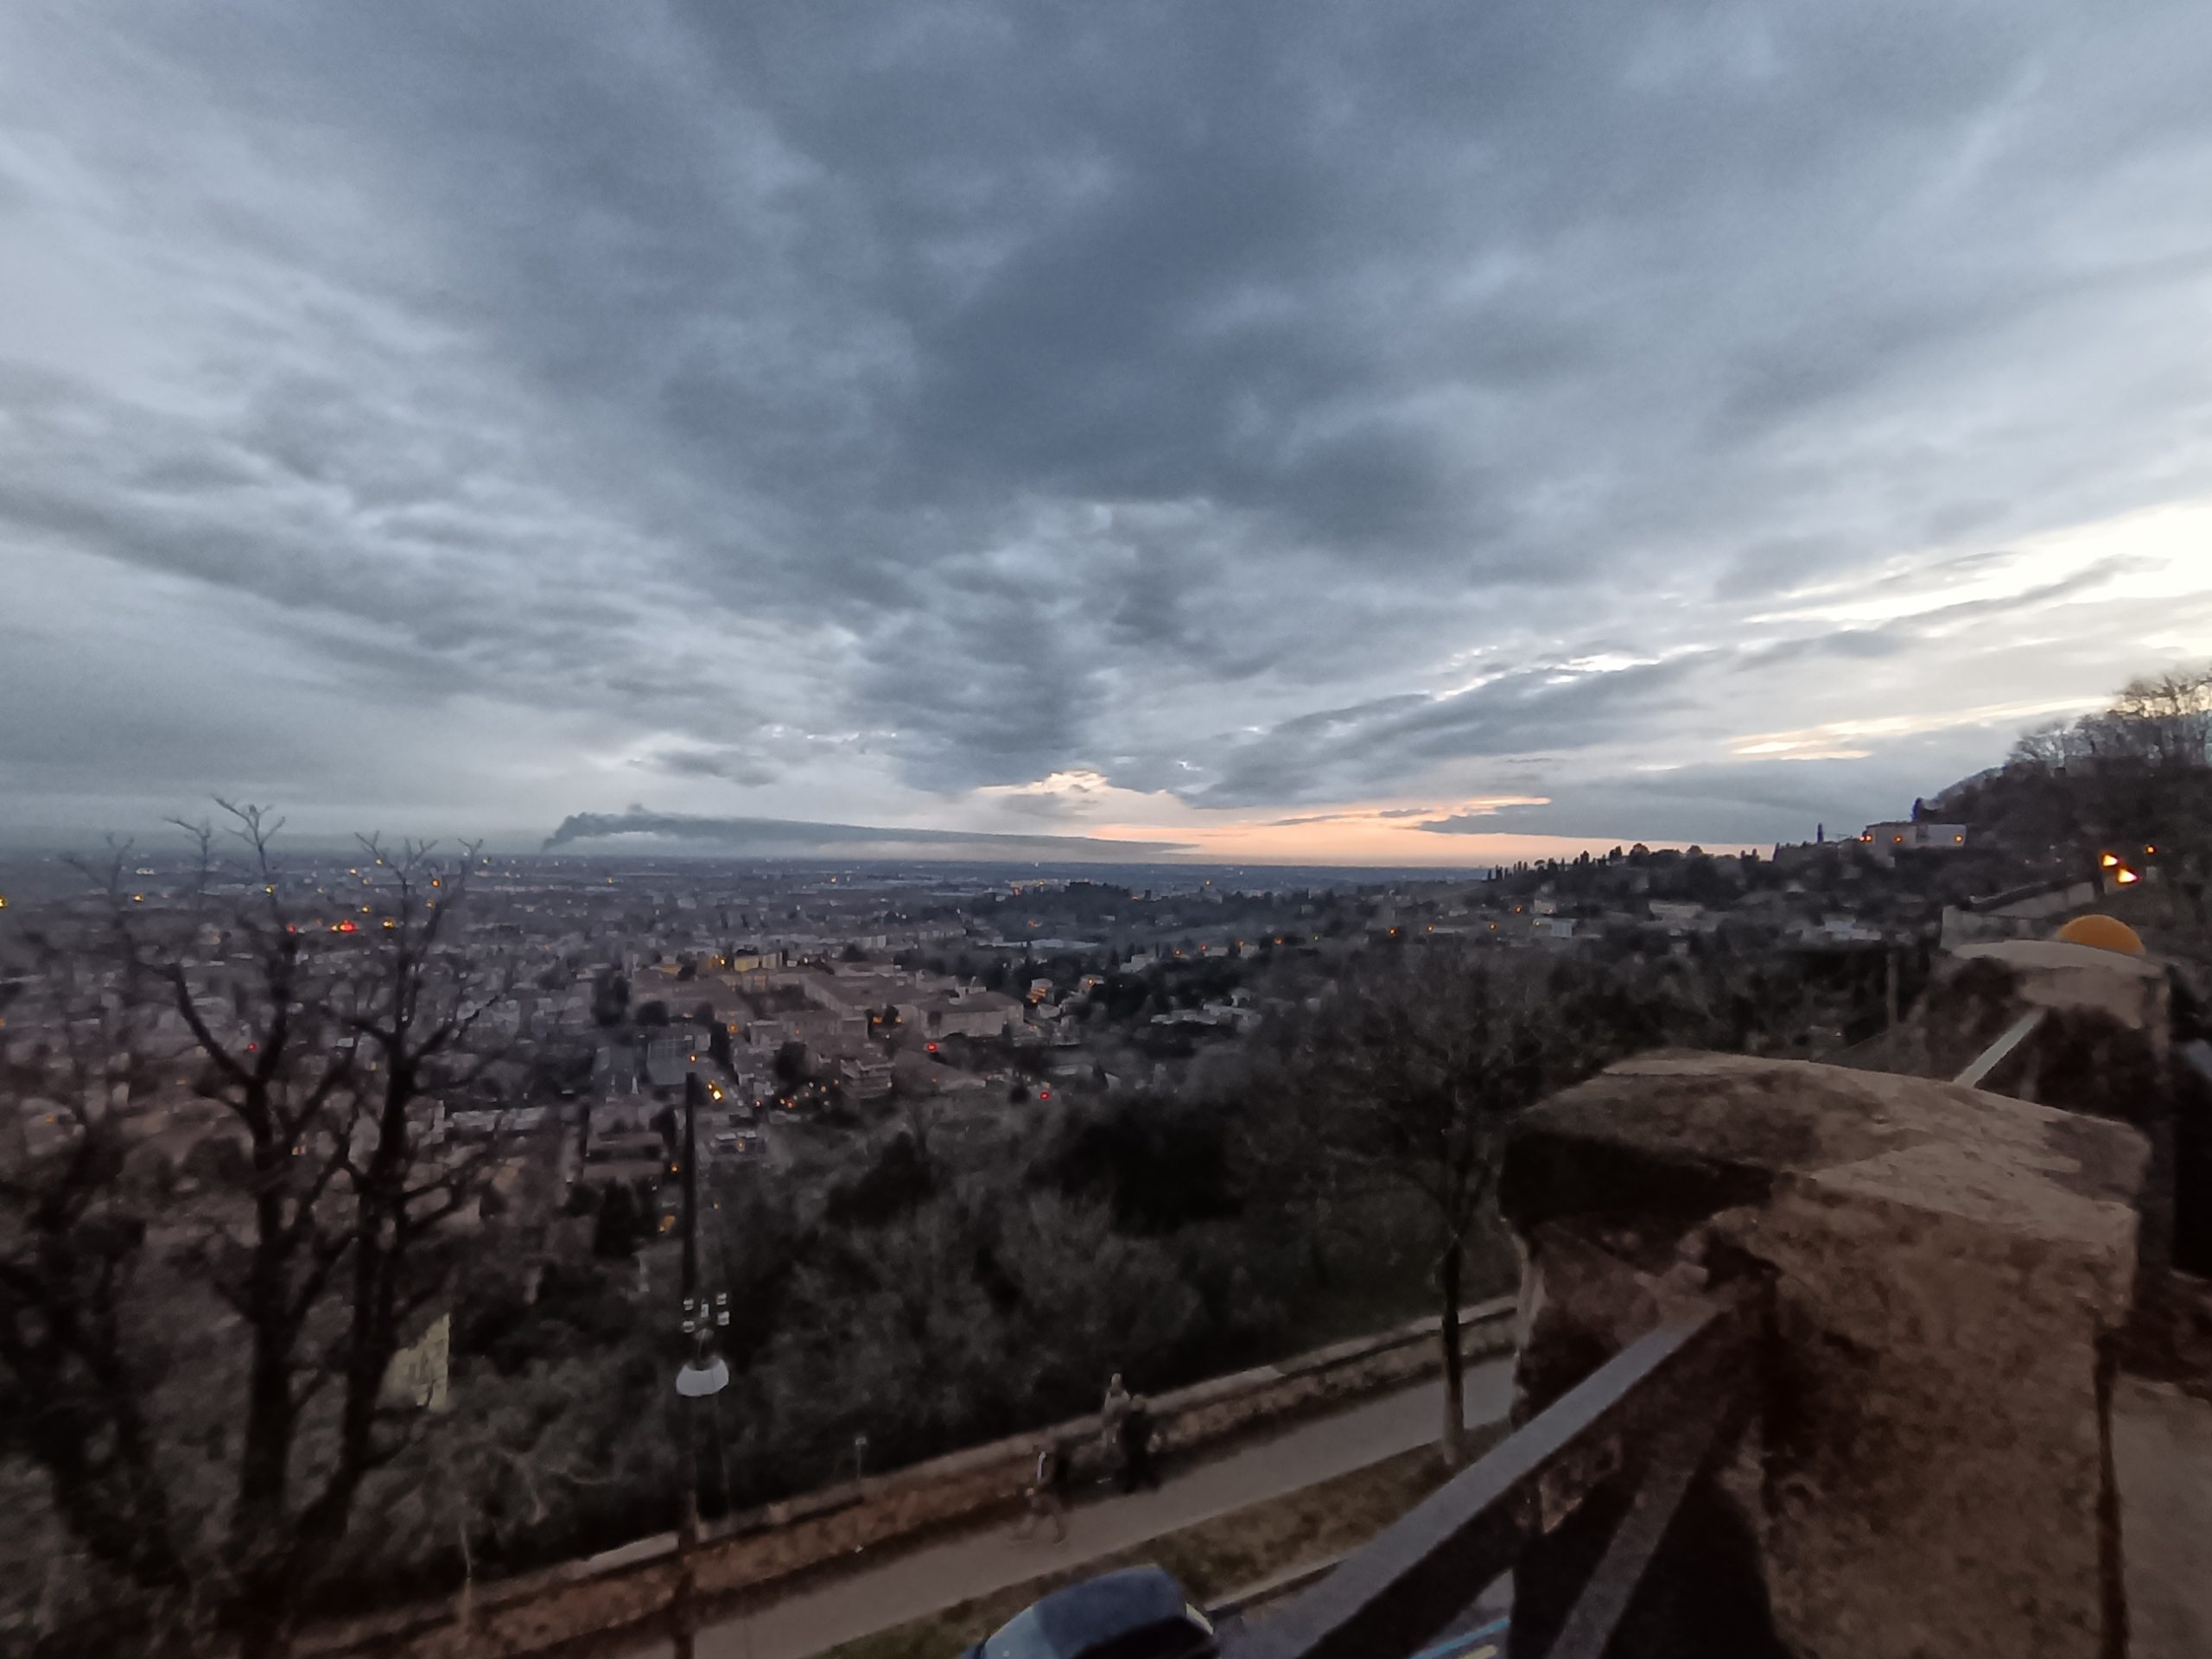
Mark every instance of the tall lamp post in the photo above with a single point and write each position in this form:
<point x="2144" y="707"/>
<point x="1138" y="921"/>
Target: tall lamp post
<point x="702" y="1376"/>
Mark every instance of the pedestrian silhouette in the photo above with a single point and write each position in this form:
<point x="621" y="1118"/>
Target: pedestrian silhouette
<point x="1110" y="1413"/>
<point x="1048" y="1493"/>
<point x="1135" y="1437"/>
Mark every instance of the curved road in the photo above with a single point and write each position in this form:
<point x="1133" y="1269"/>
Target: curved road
<point x="906" y="1587"/>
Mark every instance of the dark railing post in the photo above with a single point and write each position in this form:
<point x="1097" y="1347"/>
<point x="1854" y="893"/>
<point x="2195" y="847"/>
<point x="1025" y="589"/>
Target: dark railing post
<point x="1657" y="1414"/>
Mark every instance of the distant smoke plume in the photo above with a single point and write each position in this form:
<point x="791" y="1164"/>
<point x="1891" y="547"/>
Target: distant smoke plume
<point x="792" y="837"/>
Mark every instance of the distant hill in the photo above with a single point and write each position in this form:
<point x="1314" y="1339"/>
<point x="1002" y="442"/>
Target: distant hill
<point x="2064" y="819"/>
<point x="1951" y="804"/>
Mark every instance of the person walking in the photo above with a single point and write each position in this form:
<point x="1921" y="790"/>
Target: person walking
<point x="1110" y="1413"/>
<point x="1056" y="1490"/>
<point x="1048" y="1493"/>
<point x="1135" y="1436"/>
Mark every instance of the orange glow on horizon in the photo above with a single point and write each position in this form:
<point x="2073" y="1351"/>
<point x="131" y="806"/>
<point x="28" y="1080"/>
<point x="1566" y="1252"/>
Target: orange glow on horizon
<point x="1363" y="837"/>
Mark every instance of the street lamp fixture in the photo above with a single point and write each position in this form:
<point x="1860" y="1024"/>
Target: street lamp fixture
<point x="703" y="1378"/>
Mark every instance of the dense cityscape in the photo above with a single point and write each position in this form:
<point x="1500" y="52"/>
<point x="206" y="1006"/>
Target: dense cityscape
<point x="822" y="1005"/>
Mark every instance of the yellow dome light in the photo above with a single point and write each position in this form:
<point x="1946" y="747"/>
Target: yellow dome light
<point x="2103" y="933"/>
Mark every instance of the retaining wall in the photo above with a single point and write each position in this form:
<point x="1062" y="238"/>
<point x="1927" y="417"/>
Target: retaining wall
<point x="632" y="1587"/>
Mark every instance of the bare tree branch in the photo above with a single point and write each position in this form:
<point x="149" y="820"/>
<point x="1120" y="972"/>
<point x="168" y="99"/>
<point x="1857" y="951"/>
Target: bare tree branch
<point x="318" y="1228"/>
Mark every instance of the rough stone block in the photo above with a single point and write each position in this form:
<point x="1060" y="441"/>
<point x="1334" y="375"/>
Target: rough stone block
<point x="1931" y="1472"/>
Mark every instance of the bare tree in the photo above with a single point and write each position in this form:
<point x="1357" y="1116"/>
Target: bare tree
<point x="2162" y="719"/>
<point x="2168" y="716"/>
<point x="921" y="1110"/>
<point x="299" y="1029"/>
<point x="1418" y="1069"/>
<point x="2047" y="747"/>
<point x="2135" y="776"/>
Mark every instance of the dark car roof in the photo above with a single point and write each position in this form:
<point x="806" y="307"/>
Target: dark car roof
<point x="1082" y="1616"/>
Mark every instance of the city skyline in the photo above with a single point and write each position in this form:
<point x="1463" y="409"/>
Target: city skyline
<point x="1301" y="437"/>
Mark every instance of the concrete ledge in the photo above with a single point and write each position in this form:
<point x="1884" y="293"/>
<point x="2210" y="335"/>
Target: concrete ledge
<point x="623" y="1589"/>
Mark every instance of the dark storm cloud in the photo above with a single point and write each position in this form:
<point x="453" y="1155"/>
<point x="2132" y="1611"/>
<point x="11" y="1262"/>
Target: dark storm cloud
<point x="784" y="837"/>
<point x="1853" y="645"/>
<point x="735" y="766"/>
<point x="1936" y="621"/>
<point x="1386" y="815"/>
<point x="1362" y="749"/>
<point x="1748" y="802"/>
<point x="2100" y="573"/>
<point x="1465" y="824"/>
<point x="1041" y="387"/>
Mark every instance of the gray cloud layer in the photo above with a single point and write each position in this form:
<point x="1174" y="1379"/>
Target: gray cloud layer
<point x="1265" y="404"/>
<point x="786" y="838"/>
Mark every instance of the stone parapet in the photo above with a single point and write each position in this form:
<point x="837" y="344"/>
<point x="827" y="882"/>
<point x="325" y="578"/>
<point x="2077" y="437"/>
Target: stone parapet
<point x="1931" y="1473"/>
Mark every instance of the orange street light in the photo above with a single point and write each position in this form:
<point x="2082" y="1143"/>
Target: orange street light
<point x="2110" y="861"/>
<point x="2126" y="878"/>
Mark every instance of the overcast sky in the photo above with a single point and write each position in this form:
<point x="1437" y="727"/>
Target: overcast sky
<point x="1360" y="433"/>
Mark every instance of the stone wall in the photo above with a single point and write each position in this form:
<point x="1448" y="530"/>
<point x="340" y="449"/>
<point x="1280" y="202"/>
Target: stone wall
<point x="1931" y="1472"/>
<point x="631" y="1588"/>
<point x="2104" y="1047"/>
<point x="1977" y="991"/>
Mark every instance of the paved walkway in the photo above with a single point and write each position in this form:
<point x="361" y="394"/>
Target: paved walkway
<point x="922" y="1581"/>
<point x="2162" y="1453"/>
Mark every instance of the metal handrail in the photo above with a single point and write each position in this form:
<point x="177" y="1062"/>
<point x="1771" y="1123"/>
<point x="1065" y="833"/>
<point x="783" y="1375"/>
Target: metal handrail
<point x="2002" y="1049"/>
<point x="1658" y="1408"/>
